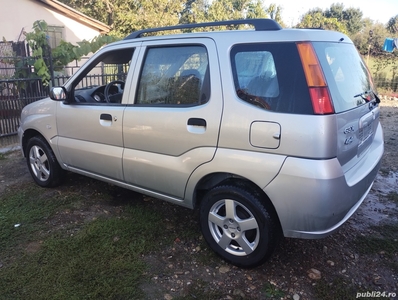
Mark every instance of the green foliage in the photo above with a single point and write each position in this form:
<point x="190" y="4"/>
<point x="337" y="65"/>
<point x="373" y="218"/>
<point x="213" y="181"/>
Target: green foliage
<point x="318" y="20"/>
<point x="392" y="25"/>
<point x="37" y="41"/>
<point x="67" y="52"/>
<point x="348" y="21"/>
<point x="384" y="69"/>
<point x="275" y="13"/>
<point x="125" y="16"/>
<point x="272" y="292"/>
<point x="101" y="10"/>
<point x="350" y="17"/>
<point x="61" y="55"/>
<point x="382" y="62"/>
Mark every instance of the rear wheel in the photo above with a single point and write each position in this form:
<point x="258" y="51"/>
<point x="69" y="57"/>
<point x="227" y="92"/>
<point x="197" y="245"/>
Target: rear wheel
<point x="237" y="226"/>
<point x="42" y="163"/>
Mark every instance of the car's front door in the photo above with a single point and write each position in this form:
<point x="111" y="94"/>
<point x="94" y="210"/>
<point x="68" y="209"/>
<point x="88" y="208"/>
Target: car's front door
<point x="172" y="125"/>
<point x="90" y="138"/>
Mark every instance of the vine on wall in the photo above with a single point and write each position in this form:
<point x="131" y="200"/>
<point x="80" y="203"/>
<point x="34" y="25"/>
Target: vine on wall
<point x="60" y="56"/>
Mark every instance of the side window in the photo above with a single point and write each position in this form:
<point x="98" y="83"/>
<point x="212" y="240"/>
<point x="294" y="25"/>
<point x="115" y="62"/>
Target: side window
<point x="174" y="76"/>
<point x="256" y="73"/>
<point x="270" y="76"/>
<point x="256" y="78"/>
<point x="102" y="82"/>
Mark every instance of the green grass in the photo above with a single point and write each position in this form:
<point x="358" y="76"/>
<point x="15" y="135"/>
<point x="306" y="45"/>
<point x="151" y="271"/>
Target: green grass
<point x="388" y="70"/>
<point x="272" y="292"/>
<point x="23" y="211"/>
<point x="200" y="289"/>
<point x="99" y="259"/>
<point x="337" y="289"/>
<point x="386" y="240"/>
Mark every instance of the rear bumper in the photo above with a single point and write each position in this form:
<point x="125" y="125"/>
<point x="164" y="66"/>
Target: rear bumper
<point x="313" y="198"/>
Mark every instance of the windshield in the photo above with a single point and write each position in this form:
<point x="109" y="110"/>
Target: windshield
<point x="346" y="73"/>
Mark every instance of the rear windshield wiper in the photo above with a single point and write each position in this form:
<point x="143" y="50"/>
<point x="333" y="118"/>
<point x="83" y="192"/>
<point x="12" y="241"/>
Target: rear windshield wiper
<point x="366" y="93"/>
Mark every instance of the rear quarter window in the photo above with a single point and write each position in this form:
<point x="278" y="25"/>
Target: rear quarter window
<point x="270" y="76"/>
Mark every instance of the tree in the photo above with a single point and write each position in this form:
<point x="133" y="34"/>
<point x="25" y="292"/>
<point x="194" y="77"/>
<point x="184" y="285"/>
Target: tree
<point x="350" y="17"/>
<point x="392" y="25"/>
<point x="125" y="16"/>
<point x="221" y="10"/>
<point x="195" y="11"/>
<point x="348" y="21"/>
<point x="101" y="10"/>
<point x="133" y="15"/>
<point x="316" y="19"/>
<point x="371" y="38"/>
<point x="275" y="12"/>
<point x="256" y="10"/>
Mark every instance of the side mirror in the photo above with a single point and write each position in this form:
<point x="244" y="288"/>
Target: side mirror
<point x="58" y="93"/>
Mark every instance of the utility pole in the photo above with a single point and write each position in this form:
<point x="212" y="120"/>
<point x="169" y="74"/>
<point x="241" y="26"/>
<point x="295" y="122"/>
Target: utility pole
<point x="369" y="46"/>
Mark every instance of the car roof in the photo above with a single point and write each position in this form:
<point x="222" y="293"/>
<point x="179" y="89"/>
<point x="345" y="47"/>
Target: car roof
<point x="265" y="30"/>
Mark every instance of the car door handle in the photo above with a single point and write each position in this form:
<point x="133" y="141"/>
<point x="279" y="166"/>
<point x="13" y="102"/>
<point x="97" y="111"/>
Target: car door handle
<point x="197" y="122"/>
<point x="106" y="117"/>
<point x="196" y="125"/>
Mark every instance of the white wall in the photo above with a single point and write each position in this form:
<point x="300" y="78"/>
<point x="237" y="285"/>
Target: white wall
<point x="20" y="14"/>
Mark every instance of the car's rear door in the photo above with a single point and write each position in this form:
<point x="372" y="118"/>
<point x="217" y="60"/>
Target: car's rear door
<point x="172" y="124"/>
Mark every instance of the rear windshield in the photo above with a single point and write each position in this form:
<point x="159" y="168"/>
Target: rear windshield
<point x="346" y="74"/>
<point x="270" y="76"/>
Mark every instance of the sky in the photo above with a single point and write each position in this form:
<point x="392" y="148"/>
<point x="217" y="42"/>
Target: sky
<point x="377" y="10"/>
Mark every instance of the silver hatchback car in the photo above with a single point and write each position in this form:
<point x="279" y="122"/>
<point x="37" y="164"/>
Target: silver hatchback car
<point x="268" y="132"/>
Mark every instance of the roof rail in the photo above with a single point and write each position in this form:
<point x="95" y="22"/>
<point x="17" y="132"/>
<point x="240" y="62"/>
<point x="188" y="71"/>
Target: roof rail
<point x="259" y="25"/>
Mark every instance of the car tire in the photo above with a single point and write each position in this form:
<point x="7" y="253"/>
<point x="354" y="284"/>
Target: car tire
<point x="42" y="163"/>
<point x="236" y="225"/>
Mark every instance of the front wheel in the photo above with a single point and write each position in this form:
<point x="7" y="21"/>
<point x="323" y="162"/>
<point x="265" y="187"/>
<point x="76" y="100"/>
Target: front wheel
<point x="237" y="226"/>
<point x="42" y="163"/>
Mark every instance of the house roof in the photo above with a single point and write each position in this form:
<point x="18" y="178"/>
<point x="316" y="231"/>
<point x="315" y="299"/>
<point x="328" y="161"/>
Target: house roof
<point x="76" y="15"/>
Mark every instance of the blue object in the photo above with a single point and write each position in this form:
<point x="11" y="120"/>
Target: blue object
<point x="388" y="45"/>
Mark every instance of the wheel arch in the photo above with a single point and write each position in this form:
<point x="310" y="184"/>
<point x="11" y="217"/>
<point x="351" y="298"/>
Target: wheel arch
<point x="222" y="178"/>
<point x="27" y="135"/>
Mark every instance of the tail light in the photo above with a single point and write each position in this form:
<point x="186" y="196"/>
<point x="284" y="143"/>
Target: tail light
<point x="318" y="89"/>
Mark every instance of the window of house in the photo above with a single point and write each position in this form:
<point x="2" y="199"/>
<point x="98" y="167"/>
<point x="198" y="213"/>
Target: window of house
<point x="174" y="76"/>
<point x="54" y="34"/>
